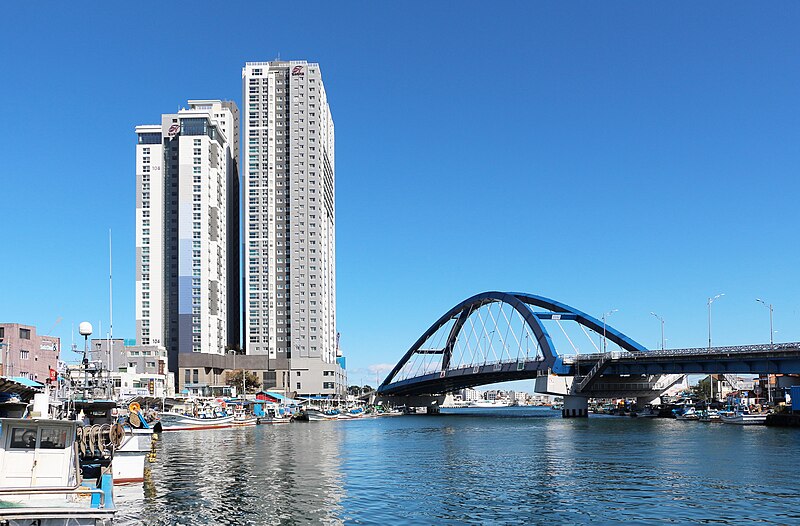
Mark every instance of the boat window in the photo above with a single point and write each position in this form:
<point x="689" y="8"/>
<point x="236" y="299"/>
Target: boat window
<point x="23" y="438"/>
<point x="53" y="438"/>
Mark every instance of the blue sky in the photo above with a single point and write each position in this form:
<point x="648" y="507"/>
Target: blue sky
<point x="637" y="156"/>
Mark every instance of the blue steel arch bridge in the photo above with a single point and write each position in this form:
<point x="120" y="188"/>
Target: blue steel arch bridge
<point x="503" y="336"/>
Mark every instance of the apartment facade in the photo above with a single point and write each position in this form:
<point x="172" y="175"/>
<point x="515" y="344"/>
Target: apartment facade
<point x="289" y="226"/>
<point x="187" y="264"/>
<point x="24" y="353"/>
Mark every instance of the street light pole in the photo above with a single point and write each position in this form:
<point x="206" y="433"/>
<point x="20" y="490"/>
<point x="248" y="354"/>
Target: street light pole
<point x="606" y="315"/>
<point x="771" y="346"/>
<point x="711" y="375"/>
<point x="710" y="301"/>
<point x="663" y="341"/>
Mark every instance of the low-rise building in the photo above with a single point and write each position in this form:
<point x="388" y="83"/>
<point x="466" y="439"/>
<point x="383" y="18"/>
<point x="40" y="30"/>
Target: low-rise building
<point x="145" y="373"/>
<point x="25" y="353"/>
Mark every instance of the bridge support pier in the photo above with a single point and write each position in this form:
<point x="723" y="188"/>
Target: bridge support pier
<point x="575" y="407"/>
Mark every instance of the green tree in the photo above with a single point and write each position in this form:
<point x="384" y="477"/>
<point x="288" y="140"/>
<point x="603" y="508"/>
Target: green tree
<point x="234" y="378"/>
<point x="703" y="389"/>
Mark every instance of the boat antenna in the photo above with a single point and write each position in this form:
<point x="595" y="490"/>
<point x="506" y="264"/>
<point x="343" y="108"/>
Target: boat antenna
<point x="110" y="304"/>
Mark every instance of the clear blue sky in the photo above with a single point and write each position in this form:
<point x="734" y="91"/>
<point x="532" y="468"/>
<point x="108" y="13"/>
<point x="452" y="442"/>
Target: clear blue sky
<point x="638" y="156"/>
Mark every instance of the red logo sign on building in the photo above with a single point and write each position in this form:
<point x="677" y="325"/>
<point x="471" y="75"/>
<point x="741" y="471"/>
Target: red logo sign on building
<point x="173" y="130"/>
<point x="297" y="70"/>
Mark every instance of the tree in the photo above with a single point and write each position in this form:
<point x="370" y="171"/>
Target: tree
<point x="234" y="378"/>
<point x="703" y="389"/>
<point x="354" y="390"/>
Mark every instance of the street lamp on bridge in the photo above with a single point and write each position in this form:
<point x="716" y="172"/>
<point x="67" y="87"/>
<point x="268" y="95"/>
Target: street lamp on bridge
<point x="710" y="301"/>
<point x="771" y="345"/>
<point x="606" y="315"/>
<point x="663" y="341"/>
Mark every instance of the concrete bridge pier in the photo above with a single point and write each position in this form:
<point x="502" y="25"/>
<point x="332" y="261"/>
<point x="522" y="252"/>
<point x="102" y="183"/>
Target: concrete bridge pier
<point x="575" y="407"/>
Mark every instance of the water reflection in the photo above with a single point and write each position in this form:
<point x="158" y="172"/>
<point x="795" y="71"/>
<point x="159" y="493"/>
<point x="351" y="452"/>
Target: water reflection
<point x="512" y="467"/>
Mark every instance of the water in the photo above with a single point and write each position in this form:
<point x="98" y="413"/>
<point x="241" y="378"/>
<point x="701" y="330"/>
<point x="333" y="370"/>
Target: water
<point x="502" y="466"/>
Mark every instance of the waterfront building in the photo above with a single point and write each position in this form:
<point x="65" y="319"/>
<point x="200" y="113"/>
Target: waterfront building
<point x="26" y="354"/>
<point x="289" y="228"/>
<point x="470" y="395"/>
<point x="144" y="373"/>
<point x="187" y="270"/>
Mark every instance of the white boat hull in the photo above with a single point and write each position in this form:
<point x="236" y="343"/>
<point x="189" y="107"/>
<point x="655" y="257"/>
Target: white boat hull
<point x="271" y="420"/>
<point x="318" y="416"/>
<point x="189" y="423"/>
<point x="129" y="459"/>
<point x="245" y="422"/>
<point x="746" y="420"/>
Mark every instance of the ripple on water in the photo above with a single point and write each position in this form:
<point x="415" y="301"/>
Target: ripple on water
<point x="517" y="467"/>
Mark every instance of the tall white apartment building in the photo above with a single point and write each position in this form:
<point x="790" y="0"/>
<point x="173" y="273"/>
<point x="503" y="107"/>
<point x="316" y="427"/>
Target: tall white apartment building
<point x="289" y="226"/>
<point x="187" y="262"/>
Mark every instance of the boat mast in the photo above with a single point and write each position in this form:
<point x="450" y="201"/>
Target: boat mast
<point x="110" y="309"/>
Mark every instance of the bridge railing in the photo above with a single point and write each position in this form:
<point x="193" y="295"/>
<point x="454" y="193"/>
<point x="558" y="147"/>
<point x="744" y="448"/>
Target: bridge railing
<point x="735" y="349"/>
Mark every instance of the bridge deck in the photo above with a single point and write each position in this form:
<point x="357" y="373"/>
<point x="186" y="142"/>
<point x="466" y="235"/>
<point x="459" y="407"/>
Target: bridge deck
<point x="780" y="358"/>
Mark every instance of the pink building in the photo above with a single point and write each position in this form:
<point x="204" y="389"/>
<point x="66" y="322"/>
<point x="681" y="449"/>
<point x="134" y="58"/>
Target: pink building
<point x="25" y="353"/>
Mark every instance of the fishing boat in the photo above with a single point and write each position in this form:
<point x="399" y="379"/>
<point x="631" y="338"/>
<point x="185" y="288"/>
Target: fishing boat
<point x="178" y="422"/>
<point x="690" y="413"/>
<point x="710" y="415"/>
<point x="274" y="414"/>
<point x="44" y="480"/>
<point x="356" y="412"/>
<point x="242" y="418"/>
<point x="645" y="413"/>
<point x="197" y="415"/>
<point x="743" y="417"/>
<point x="131" y="454"/>
<point x="319" y="415"/>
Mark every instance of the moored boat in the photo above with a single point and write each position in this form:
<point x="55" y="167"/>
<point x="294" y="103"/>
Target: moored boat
<point x="689" y="414"/>
<point x="176" y="422"/>
<point x="274" y="414"/>
<point x="743" y="417"/>
<point x="710" y="415"/>
<point x="241" y="418"/>
<point x="136" y="442"/>
<point x="318" y="415"/>
<point x="351" y="414"/>
<point x="45" y="480"/>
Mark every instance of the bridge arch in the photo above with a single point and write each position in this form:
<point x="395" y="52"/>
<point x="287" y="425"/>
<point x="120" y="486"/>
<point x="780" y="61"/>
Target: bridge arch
<point x="522" y="304"/>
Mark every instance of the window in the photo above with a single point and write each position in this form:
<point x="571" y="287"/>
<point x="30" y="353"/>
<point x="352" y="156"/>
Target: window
<point x="23" y="438"/>
<point x="23" y="355"/>
<point x="53" y="438"/>
<point x="25" y="334"/>
<point x="195" y="376"/>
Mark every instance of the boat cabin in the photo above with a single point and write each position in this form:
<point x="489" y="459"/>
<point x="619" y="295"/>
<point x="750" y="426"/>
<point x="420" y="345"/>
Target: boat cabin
<point x="36" y="453"/>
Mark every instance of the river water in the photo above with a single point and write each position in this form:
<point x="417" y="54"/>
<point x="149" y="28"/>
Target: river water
<point x="494" y="466"/>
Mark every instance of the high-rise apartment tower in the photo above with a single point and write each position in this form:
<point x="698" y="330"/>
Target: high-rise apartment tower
<point x="187" y="231"/>
<point x="289" y="226"/>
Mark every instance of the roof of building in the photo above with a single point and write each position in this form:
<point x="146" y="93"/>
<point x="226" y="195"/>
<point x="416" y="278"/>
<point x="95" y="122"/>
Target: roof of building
<point x="16" y="386"/>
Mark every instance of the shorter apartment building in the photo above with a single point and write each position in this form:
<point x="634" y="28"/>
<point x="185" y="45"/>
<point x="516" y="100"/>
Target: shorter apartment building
<point x="143" y="373"/>
<point x="25" y="353"/>
<point x="199" y="372"/>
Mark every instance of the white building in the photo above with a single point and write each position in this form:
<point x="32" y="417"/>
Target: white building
<point x="470" y="395"/>
<point x="144" y="374"/>
<point x="289" y="226"/>
<point x="186" y="211"/>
